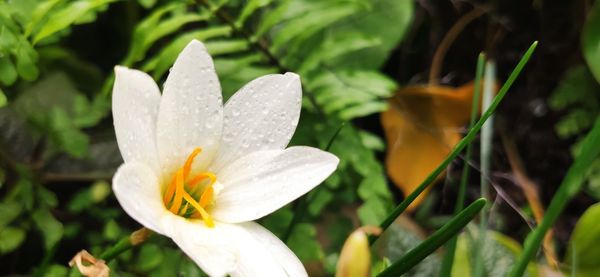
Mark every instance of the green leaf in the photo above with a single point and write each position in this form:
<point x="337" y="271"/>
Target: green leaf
<point x="8" y="72"/>
<point x="303" y="242"/>
<point x="376" y="21"/>
<point x="51" y="229"/>
<point x="307" y="24"/>
<point x="433" y="242"/>
<point x="498" y="253"/>
<point x="26" y="63"/>
<point x="150" y="257"/>
<point x="249" y="8"/>
<point x="56" y="270"/>
<point x="67" y="16"/>
<point x="147" y="3"/>
<point x="3" y="100"/>
<point x="590" y="40"/>
<point x="10" y="239"/>
<point x="373" y="210"/>
<point x="41" y="12"/>
<point x="8" y="212"/>
<point x="319" y="201"/>
<point x="112" y="231"/>
<point x="165" y="59"/>
<point x="398" y="240"/>
<point x="67" y="136"/>
<point x="582" y="254"/>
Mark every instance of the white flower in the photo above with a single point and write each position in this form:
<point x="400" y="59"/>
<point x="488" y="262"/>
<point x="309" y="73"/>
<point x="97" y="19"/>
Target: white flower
<point x="200" y="172"/>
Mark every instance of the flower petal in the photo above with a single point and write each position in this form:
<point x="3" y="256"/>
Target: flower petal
<point x="191" y="111"/>
<point x="137" y="190"/>
<point x="135" y="101"/>
<point x="212" y="249"/>
<point x="262" y="115"/>
<point x="237" y="250"/>
<point x="264" y="181"/>
<point x="285" y="258"/>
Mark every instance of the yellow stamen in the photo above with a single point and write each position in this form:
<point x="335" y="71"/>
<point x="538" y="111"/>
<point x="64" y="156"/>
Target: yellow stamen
<point x="179" y="192"/>
<point x="176" y="193"/>
<point x="207" y="196"/>
<point x="188" y="163"/>
<point x="170" y="191"/>
<point x="201" y="177"/>
<point x="205" y="216"/>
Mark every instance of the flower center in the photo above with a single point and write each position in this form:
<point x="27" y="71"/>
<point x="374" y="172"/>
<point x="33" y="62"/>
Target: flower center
<point x="191" y="197"/>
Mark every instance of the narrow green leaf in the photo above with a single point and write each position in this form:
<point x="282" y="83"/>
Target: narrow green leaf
<point x="462" y="144"/>
<point x="570" y="186"/>
<point x="433" y="242"/>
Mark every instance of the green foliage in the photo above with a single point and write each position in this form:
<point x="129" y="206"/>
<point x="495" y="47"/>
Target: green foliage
<point x="578" y="94"/>
<point x="590" y="38"/>
<point x="498" y="251"/>
<point x="570" y="186"/>
<point x="400" y="238"/>
<point x="581" y="254"/>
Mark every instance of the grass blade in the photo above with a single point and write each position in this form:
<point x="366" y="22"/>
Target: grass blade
<point x="487" y="134"/>
<point x="460" y="201"/>
<point x="433" y="242"/>
<point x="460" y="146"/>
<point x="570" y="186"/>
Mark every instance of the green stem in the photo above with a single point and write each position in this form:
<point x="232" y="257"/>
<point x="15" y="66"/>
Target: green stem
<point x="125" y="244"/>
<point x="460" y="146"/>
<point x="460" y="201"/>
<point x="433" y="242"/>
<point x="570" y="186"/>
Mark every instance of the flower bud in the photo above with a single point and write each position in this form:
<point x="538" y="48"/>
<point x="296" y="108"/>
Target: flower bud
<point x="355" y="258"/>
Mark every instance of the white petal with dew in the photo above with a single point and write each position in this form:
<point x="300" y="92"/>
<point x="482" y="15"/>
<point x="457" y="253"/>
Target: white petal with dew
<point x="237" y="250"/>
<point x="285" y="258"/>
<point x="138" y="191"/>
<point x="191" y="111"/>
<point x="262" y="182"/>
<point x="262" y="115"/>
<point x="135" y="101"/>
<point x="210" y="248"/>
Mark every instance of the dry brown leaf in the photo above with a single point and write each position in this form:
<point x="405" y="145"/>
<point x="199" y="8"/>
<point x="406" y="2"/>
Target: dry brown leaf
<point x="421" y="127"/>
